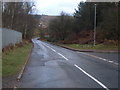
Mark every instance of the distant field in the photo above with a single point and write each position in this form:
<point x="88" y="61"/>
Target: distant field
<point x="91" y="47"/>
<point x="15" y="59"/>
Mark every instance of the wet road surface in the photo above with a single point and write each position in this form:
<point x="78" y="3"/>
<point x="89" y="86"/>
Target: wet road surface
<point x="52" y="66"/>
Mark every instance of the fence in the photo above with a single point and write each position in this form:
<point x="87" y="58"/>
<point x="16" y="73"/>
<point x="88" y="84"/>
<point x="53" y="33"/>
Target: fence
<point x="10" y="37"/>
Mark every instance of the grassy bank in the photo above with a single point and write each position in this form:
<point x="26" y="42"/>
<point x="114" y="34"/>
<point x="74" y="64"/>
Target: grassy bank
<point x="13" y="60"/>
<point x="91" y="47"/>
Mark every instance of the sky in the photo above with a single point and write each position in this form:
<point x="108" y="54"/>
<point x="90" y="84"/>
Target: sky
<point x="54" y="7"/>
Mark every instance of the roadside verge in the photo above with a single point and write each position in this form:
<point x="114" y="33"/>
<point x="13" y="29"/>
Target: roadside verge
<point x="14" y="61"/>
<point x="87" y="50"/>
<point x="23" y="68"/>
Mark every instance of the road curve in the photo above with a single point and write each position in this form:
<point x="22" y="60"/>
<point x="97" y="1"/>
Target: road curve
<point x="52" y="66"/>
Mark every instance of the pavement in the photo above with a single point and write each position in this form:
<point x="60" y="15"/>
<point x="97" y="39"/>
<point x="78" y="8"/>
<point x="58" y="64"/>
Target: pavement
<point x="52" y="66"/>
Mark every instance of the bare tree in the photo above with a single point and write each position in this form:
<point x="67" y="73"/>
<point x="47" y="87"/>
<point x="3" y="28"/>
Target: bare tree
<point x="17" y="16"/>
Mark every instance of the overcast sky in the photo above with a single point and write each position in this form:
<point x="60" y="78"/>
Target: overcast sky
<point x="54" y="7"/>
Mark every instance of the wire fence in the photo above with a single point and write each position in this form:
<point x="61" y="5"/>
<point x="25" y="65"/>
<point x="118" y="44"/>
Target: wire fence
<point x="10" y="37"/>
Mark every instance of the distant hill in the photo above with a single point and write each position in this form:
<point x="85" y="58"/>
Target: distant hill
<point x="44" y="19"/>
<point x="37" y="16"/>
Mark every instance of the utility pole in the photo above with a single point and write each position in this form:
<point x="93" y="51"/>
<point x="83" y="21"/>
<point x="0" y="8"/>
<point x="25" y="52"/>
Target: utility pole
<point x="95" y="26"/>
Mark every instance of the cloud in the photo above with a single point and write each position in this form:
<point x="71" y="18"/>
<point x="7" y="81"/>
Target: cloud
<point x="54" y="7"/>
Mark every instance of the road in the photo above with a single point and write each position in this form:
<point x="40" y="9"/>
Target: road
<point x="51" y="66"/>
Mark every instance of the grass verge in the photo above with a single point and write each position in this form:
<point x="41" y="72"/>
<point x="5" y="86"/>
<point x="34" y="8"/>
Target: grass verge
<point x="91" y="47"/>
<point x="15" y="59"/>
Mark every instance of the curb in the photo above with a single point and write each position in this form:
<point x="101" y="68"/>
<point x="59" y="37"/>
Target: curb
<point x="73" y="49"/>
<point x="98" y="51"/>
<point x="23" y="68"/>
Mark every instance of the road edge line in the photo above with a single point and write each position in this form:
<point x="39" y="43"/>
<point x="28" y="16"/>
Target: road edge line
<point x="82" y="51"/>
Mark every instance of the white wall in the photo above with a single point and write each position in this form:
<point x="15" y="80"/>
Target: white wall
<point x="10" y="37"/>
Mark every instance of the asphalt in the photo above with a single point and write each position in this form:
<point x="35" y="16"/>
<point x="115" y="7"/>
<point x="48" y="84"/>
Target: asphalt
<point x="51" y="66"/>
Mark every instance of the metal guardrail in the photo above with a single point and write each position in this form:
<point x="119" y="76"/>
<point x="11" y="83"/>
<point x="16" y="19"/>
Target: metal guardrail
<point x="10" y="37"/>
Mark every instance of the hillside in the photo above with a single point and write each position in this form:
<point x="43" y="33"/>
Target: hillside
<point x="44" y="19"/>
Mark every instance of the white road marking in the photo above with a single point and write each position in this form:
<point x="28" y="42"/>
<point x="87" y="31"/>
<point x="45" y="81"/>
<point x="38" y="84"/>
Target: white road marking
<point x="81" y="68"/>
<point x="104" y="59"/>
<point x="115" y="63"/>
<point x="47" y="46"/>
<point x="62" y="56"/>
<point x="91" y="77"/>
<point x="56" y="52"/>
<point x="100" y="58"/>
<point x="53" y="49"/>
<point x="109" y="61"/>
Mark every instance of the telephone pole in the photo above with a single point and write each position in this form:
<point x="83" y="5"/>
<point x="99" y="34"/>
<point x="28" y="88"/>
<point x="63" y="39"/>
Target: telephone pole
<point x="95" y="26"/>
